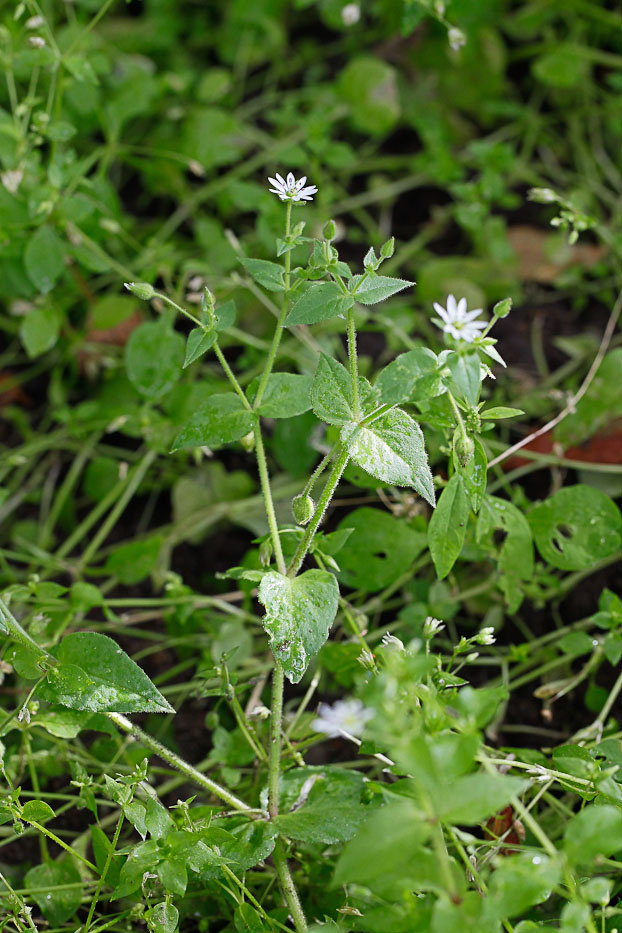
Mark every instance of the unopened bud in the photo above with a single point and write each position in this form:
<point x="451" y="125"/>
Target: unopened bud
<point x="542" y="195"/>
<point x="456" y="38"/>
<point x="387" y="249"/>
<point x="265" y="552"/>
<point x="502" y="308"/>
<point x="36" y="42"/>
<point x="142" y="290"/>
<point x="465" y="448"/>
<point x="303" y="508"/>
<point x="248" y="442"/>
<point x="330" y="230"/>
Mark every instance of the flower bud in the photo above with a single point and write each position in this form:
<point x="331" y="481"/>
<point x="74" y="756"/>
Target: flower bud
<point x="387" y="249"/>
<point x="432" y="626"/>
<point x="265" y="552"/>
<point x="456" y="38"/>
<point x="542" y="195"/>
<point x="142" y="290"/>
<point x="465" y="448"/>
<point x="502" y="308"/>
<point x="248" y="442"/>
<point x="330" y="230"/>
<point x="303" y="508"/>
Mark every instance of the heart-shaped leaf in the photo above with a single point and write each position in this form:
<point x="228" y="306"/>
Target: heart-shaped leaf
<point x="298" y="617"/>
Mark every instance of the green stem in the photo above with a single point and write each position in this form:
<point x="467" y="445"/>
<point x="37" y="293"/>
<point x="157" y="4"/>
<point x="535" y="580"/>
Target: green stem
<point x="289" y="888"/>
<point x="136" y="478"/>
<point x="100" y="883"/>
<point x="231" y="376"/>
<point x="61" y="843"/>
<point x="176" y="762"/>
<point x="327" y="494"/>
<point x="354" y="375"/>
<point x="278" y="333"/>
<point x="274" y="758"/>
<point x="264" y="479"/>
<point x="457" y="415"/>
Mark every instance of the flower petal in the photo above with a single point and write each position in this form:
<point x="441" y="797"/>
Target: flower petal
<point x="461" y="309"/>
<point x="451" y="306"/>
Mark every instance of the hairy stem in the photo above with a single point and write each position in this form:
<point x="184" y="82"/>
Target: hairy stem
<point x="264" y="479"/>
<point x="324" y="501"/>
<point x="354" y="370"/>
<point x="274" y="758"/>
<point x="176" y="762"/>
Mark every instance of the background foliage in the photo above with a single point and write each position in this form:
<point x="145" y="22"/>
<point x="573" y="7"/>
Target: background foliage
<point x="135" y="141"/>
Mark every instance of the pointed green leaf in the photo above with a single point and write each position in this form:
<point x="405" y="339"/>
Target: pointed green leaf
<point x="500" y="412"/>
<point x="298" y="617"/>
<point x="415" y="370"/>
<point x="376" y="288"/>
<point x="465" y="380"/>
<point x="447" y="526"/>
<point x="94" y="673"/>
<point x="286" y="395"/>
<point x="222" y="420"/>
<point x="392" y="449"/>
<point x="44" y="258"/>
<point x="319" y="303"/>
<point x="268" y="274"/>
<point x="199" y="341"/>
<point x="37" y="811"/>
<point x="55" y="887"/>
<point x="153" y="358"/>
<point x="331" y="394"/>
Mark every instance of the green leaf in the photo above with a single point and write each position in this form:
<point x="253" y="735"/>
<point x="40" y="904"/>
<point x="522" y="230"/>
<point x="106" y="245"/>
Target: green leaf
<point x="163" y="918"/>
<point x="222" y="420"/>
<point x="518" y="883"/>
<point x="474" y="797"/>
<point x="199" y="342"/>
<point x="319" y="303"/>
<point x="286" y="395"/>
<point x="596" y="830"/>
<point x="134" y="561"/>
<point x="371" y="289"/>
<point x="95" y="674"/>
<point x="39" y="331"/>
<point x="328" y="808"/>
<point x="411" y="372"/>
<point x="369" y="86"/>
<point x="448" y="524"/>
<point x="44" y="881"/>
<point x="153" y="358"/>
<point x="299" y="615"/>
<point x="225" y="316"/>
<point x="515" y="558"/>
<point x="379" y="549"/>
<point x="268" y="274"/>
<point x="576" y="526"/>
<point x="566" y="65"/>
<point x="500" y="412"/>
<point x="44" y="258"/>
<point x="37" y="811"/>
<point x="247" y="920"/>
<point x="465" y="381"/>
<point x="392" y="449"/>
<point x="474" y="476"/>
<point x="331" y="393"/>
<point x="601" y="403"/>
<point x="385" y="848"/>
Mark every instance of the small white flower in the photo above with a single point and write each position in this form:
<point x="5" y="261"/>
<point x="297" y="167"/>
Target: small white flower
<point x="432" y="626"/>
<point x="485" y="636"/>
<point x="37" y="42"/>
<point x="456" y="38"/>
<point x="457" y="321"/>
<point x="390" y="641"/>
<point x="291" y="189"/>
<point x="346" y="718"/>
<point x="12" y="179"/>
<point x="35" y="22"/>
<point x="351" y="14"/>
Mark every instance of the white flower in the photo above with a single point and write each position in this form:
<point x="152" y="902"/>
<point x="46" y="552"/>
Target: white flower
<point x="456" y="38"/>
<point x="390" y="641"/>
<point x="432" y="626"/>
<point x="291" y="189"/>
<point x="12" y="179"/>
<point x="351" y="14"/>
<point x="457" y="321"/>
<point x="37" y="42"/>
<point x="345" y="717"/>
<point x="485" y="636"/>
